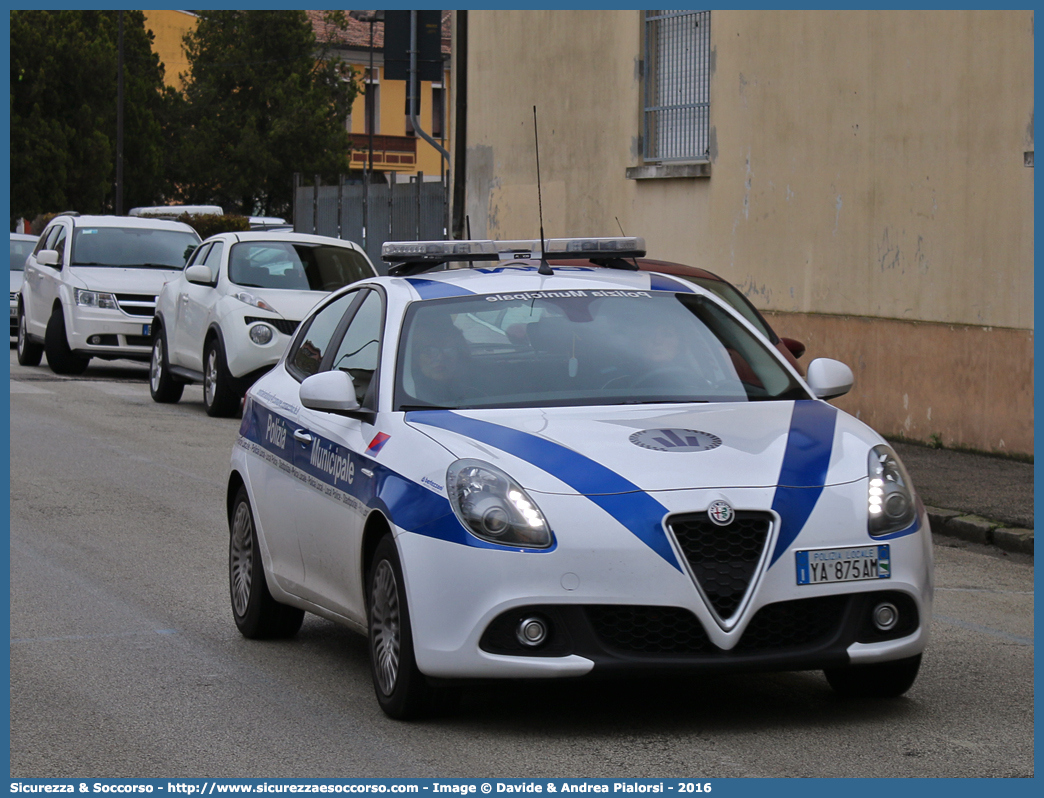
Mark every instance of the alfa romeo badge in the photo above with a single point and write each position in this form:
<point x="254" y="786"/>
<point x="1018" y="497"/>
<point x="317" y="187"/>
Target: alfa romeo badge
<point x="721" y="512"/>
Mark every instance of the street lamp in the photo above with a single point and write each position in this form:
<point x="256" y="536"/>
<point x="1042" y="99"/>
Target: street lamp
<point x="371" y="17"/>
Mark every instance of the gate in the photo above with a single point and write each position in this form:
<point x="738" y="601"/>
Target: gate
<point x="370" y="214"/>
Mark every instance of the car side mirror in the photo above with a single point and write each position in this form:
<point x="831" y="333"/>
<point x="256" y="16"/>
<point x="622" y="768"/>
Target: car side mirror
<point x="329" y="392"/>
<point x="198" y="274"/>
<point x="829" y="378"/>
<point x="47" y="257"/>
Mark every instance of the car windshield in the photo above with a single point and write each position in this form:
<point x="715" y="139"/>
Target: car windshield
<point x="132" y="247"/>
<point x="20" y="250"/>
<point x="586" y="347"/>
<point x="295" y="266"/>
<point x="732" y="296"/>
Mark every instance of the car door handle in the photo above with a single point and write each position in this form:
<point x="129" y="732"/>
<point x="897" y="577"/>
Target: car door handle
<point x="302" y="436"/>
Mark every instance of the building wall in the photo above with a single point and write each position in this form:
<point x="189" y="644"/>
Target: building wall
<point x="393" y="113"/>
<point x="169" y="28"/>
<point x="866" y="185"/>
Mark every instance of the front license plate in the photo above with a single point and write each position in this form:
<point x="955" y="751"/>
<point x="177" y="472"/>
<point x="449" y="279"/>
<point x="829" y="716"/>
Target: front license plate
<point x="853" y="564"/>
<point x="146" y="329"/>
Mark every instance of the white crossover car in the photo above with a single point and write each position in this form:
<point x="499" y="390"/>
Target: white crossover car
<point x="227" y="319"/>
<point x="516" y="470"/>
<point x="90" y="288"/>
<point x="21" y="245"/>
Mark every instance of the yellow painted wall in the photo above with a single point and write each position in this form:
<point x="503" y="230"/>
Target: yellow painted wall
<point x="393" y="115"/>
<point x="864" y="165"/>
<point x="169" y="28"/>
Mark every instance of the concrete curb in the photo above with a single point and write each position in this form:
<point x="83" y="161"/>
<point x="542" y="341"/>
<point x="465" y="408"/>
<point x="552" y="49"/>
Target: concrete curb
<point x="976" y="529"/>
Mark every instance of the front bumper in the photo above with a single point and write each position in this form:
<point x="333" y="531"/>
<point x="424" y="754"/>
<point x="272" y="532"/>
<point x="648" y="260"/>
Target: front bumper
<point x="243" y="357"/>
<point x="109" y="333"/>
<point x="613" y="605"/>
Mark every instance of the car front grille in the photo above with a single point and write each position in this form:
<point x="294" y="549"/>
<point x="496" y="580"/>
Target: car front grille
<point x="649" y="630"/>
<point x="673" y="630"/>
<point x="722" y="559"/>
<point x="137" y="304"/>
<point x="285" y="326"/>
<point x="14" y="296"/>
<point x="793" y="623"/>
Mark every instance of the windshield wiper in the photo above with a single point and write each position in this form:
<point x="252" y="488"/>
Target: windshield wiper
<point x="663" y="402"/>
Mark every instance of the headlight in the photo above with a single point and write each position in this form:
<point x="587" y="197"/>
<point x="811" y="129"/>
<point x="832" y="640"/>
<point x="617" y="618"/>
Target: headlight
<point x="95" y="299"/>
<point x="260" y="333"/>
<point x="889" y="495"/>
<point x="256" y="301"/>
<point x="494" y="507"/>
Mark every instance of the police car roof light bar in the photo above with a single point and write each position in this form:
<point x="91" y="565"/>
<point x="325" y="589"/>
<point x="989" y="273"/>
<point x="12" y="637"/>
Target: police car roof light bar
<point x="414" y="257"/>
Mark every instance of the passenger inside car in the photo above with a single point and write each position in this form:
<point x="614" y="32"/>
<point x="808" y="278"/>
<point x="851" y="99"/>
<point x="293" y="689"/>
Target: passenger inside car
<point x="440" y="362"/>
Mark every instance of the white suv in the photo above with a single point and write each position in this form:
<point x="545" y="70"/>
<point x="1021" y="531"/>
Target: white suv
<point x="90" y="288"/>
<point x="227" y="319"/>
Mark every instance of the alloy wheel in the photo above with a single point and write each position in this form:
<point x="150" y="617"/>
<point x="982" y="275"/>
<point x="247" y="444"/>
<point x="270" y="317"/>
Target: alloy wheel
<point x="210" y="377"/>
<point x="385" y="626"/>
<point x="156" y="369"/>
<point x="241" y="558"/>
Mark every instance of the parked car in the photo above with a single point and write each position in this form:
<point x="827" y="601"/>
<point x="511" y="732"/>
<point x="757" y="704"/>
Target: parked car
<point x="270" y="223"/>
<point x="90" y="288"/>
<point x="790" y="348"/>
<point x="21" y="245"/>
<point x="174" y="211"/>
<point x="227" y="319"/>
<point x="518" y="470"/>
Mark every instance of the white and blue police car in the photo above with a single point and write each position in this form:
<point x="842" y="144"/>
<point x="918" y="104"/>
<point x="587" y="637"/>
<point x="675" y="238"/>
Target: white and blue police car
<point x="495" y="468"/>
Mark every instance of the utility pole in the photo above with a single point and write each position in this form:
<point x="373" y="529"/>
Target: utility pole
<point x="370" y="113"/>
<point x="119" y="123"/>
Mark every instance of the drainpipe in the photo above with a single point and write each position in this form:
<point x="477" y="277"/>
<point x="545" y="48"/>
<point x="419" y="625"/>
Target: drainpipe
<point x="413" y="90"/>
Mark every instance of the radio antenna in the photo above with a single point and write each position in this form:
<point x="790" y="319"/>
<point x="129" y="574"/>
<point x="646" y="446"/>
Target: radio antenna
<point x="633" y="260"/>
<point x="545" y="268"/>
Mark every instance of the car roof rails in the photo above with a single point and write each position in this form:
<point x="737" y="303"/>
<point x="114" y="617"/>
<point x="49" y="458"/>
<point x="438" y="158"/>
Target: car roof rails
<point x="416" y="257"/>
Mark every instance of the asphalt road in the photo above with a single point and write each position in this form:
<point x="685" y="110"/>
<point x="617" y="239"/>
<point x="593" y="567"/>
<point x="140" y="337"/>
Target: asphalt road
<point x="125" y="661"/>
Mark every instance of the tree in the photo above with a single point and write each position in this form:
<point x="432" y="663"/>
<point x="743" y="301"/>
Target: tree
<point x="263" y="102"/>
<point x="63" y="112"/>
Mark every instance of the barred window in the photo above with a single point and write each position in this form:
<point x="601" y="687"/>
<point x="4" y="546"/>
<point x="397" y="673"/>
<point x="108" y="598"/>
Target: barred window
<point x="677" y="85"/>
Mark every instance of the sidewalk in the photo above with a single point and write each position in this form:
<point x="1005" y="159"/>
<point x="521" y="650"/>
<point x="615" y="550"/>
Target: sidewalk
<point x="974" y="497"/>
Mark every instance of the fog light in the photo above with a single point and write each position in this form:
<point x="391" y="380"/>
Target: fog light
<point x="532" y="631"/>
<point x="260" y="333"/>
<point x="885" y="616"/>
<point x="94" y="340"/>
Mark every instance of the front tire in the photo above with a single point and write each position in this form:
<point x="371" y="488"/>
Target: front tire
<point x="162" y="385"/>
<point x="258" y="616"/>
<point x="29" y="354"/>
<point x="219" y="398"/>
<point x="402" y="690"/>
<point x="60" y="357"/>
<point x="880" y="680"/>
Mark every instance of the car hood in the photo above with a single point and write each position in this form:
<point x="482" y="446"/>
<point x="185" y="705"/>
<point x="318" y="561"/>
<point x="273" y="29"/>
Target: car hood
<point x="122" y="281"/>
<point x="656" y="448"/>
<point x="16" y="281"/>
